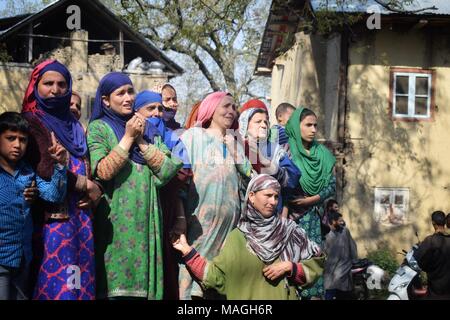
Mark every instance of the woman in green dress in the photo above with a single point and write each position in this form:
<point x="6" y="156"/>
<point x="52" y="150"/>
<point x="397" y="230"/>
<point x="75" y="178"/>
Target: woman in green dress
<point x="131" y="164"/>
<point x="317" y="183"/>
<point x="266" y="257"/>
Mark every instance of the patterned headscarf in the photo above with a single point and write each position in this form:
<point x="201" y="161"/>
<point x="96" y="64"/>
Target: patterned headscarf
<point x="273" y="237"/>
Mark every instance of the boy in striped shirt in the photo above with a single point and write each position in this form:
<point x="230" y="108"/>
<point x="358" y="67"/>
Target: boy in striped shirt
<point x="16" y="224"/>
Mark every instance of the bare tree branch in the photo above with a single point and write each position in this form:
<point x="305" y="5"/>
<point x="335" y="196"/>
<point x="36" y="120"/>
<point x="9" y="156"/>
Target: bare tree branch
<point x="200" y="63"/>
<point x="221" y="17"/>
<point x="141" y="6"/>
<point x="206" y="28"/>
<point x="147" y="6"/>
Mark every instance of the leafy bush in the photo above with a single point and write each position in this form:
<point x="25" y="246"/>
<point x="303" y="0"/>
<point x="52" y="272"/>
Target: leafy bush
<point x="384" y="258"/>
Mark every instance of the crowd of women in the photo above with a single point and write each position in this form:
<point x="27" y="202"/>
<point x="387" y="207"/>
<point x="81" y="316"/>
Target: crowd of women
<point x="220" y="208"/>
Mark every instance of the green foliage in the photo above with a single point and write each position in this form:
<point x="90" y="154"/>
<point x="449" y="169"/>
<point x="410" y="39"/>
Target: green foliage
<point x="221" y="37"/>
<point x="328" y="22"/>
<point x="384" y="258"/>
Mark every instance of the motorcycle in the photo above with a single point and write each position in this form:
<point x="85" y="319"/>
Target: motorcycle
<point x="366" y="276"/>
<point x="406" y="284"/>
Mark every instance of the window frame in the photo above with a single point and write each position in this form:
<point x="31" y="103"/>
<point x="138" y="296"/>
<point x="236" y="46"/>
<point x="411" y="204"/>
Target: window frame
<point x="392" y="192"/>
<point x="412" y="72"/>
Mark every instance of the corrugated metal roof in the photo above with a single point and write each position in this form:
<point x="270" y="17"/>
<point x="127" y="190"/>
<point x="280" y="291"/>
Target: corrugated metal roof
<point x="443" y="6"/>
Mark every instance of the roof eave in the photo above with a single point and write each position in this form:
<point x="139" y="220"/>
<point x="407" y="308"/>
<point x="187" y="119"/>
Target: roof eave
<point x="147" y="45"/>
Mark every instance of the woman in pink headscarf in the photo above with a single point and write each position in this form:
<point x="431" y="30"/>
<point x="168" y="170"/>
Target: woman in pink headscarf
<point x="219" y="167"/>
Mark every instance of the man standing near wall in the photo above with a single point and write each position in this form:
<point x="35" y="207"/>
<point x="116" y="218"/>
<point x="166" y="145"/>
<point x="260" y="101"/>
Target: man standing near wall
<point x="341" y="250"/>
<point x="433" y="257"/>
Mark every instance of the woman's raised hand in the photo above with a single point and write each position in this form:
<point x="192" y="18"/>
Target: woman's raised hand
<point x="57" y="151"/>
<point x="135" y="126"/>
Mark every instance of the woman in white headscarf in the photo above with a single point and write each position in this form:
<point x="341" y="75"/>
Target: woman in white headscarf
<point x="266" y="156"/>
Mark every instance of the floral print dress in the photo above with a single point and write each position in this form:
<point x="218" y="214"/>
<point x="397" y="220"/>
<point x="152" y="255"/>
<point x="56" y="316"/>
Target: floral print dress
<point x="128" y="222"/>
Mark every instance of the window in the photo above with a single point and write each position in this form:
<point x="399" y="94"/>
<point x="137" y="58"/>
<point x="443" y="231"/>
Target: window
<point x="391" y="206"/>
<point x="411" y="94"/>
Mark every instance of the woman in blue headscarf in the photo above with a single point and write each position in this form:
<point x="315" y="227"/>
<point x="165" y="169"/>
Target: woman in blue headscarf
<point x="63" y="233"/>
<point x="132" y="163"/>
<point x="149" y="105"/>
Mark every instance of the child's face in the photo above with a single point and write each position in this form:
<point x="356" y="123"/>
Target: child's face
<point x="13" y="145"/>
<point x="284" y="118"/>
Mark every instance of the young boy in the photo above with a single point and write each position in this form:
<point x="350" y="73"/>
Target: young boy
<point x="15" y="219"/>
<point x="282" y="113"/>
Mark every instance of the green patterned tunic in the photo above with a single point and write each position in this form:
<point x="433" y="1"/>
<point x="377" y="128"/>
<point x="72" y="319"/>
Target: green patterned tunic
<point x="128" y="222"/>
<point x="310" y="222"/>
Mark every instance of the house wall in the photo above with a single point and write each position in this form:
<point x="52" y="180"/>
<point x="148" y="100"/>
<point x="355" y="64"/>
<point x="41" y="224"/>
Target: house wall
<point x="308" y="74"/>
<point x="13" y="83"/>
<point x="86" y="70"/>
<point x="387" y="153"/>
<point x="379" y="152"/>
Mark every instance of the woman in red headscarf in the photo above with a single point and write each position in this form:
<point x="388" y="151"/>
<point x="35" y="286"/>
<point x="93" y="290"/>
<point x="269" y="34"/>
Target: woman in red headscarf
<point x="253" y="104"/>
<point x="65" y="248"/>
<point x="213" y="200"/>
<point x="192" y="118"/>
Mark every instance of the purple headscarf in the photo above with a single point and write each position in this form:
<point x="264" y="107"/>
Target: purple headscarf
<point x="55" y="113"/>
<point x="108" y="85"/>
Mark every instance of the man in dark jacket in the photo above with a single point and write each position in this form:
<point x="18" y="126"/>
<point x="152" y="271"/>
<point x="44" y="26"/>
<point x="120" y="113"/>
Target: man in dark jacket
<point x="433" y="257"/>
<point x="340" y="249"/>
